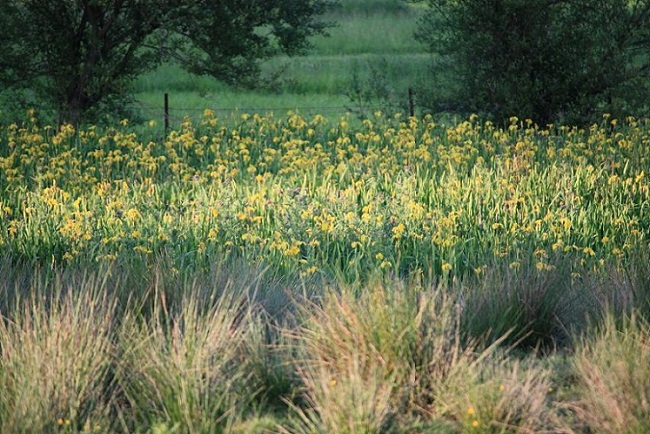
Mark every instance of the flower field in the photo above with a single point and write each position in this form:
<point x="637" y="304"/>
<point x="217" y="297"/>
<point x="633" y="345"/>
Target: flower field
<point x="403" y="196"/>
<point x="298" y="275"/>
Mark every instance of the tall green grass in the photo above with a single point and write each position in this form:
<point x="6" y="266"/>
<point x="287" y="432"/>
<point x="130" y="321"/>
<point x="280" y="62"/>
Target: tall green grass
<point x="371" y="32"/>
<point x="372" y="40"/>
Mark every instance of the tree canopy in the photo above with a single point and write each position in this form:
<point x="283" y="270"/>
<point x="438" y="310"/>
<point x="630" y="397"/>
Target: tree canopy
<point x="79" y="54"/>
<point x="541" y="59"/>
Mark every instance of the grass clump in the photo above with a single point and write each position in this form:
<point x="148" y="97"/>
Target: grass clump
<point x="614" y="376"/>
<point x="56" y="360"/>
<point x="513" y="396"/>
<point x="391" y="359"/>
<point x="532" y="305"/>
<point x="184" y="368"/>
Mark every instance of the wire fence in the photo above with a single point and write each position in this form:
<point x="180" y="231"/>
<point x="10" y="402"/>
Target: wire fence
<point x="173" y="114"/>
<point x="176" y="114"/>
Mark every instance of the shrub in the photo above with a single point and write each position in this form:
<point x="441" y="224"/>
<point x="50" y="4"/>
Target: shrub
<point x="538" y="59"/>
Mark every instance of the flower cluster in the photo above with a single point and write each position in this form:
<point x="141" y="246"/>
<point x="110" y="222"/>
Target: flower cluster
<point x="307" y="195"/>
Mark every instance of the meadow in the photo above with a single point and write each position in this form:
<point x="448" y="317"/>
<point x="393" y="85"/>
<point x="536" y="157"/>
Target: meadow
<point x="291" y="259"/>
<point x="288" y="274"/>
<point x="369" y="60"/>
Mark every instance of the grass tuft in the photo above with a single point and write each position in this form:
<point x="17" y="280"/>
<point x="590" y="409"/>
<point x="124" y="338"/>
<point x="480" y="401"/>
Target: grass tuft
<point x="182" y="369"/>
<point x="535" y="308"/>
<point x="614" y="376"/>
<point x="56" y="357"/>
<point x="390" y="357"/>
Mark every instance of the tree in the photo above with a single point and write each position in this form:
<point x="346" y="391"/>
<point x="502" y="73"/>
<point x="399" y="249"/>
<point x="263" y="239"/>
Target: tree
<point x="227" y="38"/>
<point x="541" y="59"/>
<point x="81" y="53"/>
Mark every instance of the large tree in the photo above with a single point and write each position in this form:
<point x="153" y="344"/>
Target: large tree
<point x="226" y="38"/>
<point x="543" y="59"/>
<point x="81" y="53"/>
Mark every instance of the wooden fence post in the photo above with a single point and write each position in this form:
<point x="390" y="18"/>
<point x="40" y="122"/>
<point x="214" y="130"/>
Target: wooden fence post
<point x="166" y="113"/>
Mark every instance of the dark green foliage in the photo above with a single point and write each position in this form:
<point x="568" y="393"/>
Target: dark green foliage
<point x="548" y="60"/>
<point x="80" y="55"/>
<point x="77" y="54"/>
<point x="227" y="38"/>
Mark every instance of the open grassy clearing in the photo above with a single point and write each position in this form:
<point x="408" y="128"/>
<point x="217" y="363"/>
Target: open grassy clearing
<point x="335" y="74"/>
<point x="371" y="50"/>
<point x="370" y="32"/>
<point x="309" y="85"/>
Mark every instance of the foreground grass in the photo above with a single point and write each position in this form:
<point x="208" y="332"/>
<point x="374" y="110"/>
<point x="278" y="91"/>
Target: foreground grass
<point x="100" y="351"/>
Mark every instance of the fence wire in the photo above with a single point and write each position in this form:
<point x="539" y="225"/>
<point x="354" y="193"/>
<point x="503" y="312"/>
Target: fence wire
<point x="177" y="114"/>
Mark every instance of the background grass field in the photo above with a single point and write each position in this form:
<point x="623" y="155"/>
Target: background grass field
<point x="371" y="53"/>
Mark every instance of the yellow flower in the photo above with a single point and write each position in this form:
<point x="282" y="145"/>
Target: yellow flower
<point x="398" y="231"/>
<point x="133" y="214"/>
<point x="639" y="177"/>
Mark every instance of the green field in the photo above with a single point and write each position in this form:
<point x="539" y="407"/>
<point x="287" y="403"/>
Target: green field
<point x="275" y="263"/>
<point x="371" y="48"/>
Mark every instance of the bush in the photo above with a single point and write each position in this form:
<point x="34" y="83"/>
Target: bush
<point x="548" y="61"/>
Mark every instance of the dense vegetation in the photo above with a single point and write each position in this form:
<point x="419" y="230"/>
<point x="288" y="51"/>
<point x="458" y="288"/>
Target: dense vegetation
<point x="332" y="272"/>
<point x="436" y="245"/>
<point x="551" y="61"/>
